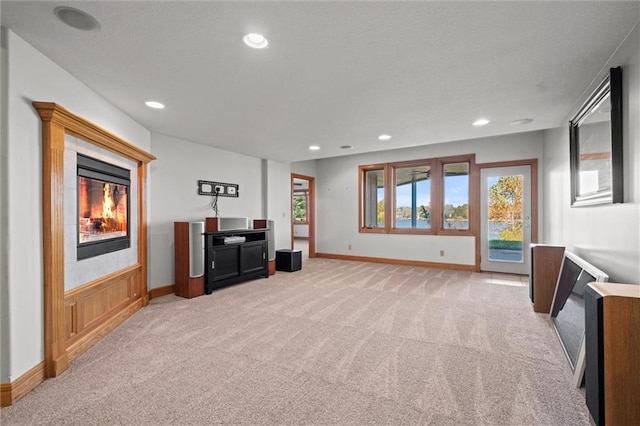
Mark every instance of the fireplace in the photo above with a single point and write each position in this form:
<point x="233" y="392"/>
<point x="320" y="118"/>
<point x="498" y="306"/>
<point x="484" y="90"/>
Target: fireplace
<point x="103" y="207"/>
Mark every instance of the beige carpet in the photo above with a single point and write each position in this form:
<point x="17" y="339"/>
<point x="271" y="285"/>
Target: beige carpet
<point x="336" y="343"/>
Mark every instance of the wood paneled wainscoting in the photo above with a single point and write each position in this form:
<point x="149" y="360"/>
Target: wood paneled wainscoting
<point x="76" y="319"/>
<point x="96" y="308"/>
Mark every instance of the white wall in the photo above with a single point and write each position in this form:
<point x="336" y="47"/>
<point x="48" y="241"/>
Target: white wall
<point x="174" y="194"/>
<point x="337" y="200"/>
<point x="305" y="168"/>
<point x="33" y="77"/>
<point x="301" y="231"/>
<point x="278" y="202"/>
<point x="4" y="211"/>
<point x="607" y="236"/>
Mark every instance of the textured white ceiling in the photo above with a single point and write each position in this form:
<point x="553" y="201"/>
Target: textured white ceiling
<point x="335" y="73"/>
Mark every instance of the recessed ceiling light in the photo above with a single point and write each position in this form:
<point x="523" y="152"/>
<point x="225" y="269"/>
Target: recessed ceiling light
<point x="481" y="122"/>
<point x="314" y="148"/>
<point x="154" y="104"/>
<point x="521" y="121"/>
<point x="257" y="41"/>
<point x="384" y="137"/>
<point x="76" y="18"/>
<point x="346" y="147"/>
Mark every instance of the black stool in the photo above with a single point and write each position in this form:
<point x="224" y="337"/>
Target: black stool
<point x="288" y="260"/>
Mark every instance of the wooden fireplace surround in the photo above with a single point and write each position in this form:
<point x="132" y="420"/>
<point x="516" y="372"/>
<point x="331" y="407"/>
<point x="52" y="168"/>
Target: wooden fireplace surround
<point x="76" y="319"/>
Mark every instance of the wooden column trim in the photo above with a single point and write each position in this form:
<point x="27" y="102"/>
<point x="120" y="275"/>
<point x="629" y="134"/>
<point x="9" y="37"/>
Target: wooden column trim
<point x="312" y="217"/>
<point x="56" y="360"/>
<point x="142" y="231"/>
<point x="56" y="122"/>
<point x="311" y="211"/>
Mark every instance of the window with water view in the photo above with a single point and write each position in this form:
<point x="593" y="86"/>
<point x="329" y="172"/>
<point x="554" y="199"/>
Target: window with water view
<point x="413" y="197"/>
<point x="426" y="196"/>
<point x="455" y="213"/>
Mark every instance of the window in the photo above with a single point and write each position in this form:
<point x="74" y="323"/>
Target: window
<point x="455" y="214"/>
<point x="373" y="197"/>
<point x="429" y="196"/>
<point x="300" y="207"/>
<point x="412" y="186"/>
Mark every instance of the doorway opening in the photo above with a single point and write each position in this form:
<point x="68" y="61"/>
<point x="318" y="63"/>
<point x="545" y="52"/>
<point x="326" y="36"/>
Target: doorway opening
<point x="508" y="216"/>
<point x="303" y="214"/>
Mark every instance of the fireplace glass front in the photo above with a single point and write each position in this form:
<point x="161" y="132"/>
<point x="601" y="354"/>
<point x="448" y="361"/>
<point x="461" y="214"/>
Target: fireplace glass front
<point x="103" y="207"/>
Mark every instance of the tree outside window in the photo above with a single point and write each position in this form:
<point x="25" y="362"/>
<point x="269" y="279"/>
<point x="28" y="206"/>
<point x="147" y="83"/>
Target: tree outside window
<point x="300" y="209"/>
<point x="505" y="206"/>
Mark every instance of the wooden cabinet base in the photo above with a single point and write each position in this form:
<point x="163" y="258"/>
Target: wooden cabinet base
<point x="546" y="261"/>
<point x="612" y="340"/>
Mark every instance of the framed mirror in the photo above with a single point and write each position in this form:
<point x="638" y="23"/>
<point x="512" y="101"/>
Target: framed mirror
<point x="595" y="135"/>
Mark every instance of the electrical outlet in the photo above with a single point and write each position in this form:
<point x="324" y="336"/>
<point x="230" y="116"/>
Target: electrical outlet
<point x="210" y="189"/>
<point x="349" y="247"/>
<point x="441" y="252"/>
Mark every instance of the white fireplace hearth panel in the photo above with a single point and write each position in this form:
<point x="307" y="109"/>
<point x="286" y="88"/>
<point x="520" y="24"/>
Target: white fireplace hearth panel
<point x="87" y="270"/>
<point x="81" y="272"/>
<point x="69" y="170"/>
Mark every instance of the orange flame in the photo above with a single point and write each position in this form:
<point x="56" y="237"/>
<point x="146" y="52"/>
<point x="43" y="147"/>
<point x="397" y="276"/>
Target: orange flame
<point x="107" y="202"/>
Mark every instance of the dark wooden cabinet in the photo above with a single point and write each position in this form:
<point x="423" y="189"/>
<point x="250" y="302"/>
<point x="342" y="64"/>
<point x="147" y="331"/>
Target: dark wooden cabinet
<point x="253" y="258"/>
<point x="235" y="256"/>
<point x="546" y="261"/>
<point x="223" y="262"/>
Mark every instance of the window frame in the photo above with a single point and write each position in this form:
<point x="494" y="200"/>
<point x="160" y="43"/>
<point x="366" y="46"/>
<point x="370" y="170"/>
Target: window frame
<point x="437" y="196"/>
<point x="362" y="170"/>
<point x="474" y="201"/>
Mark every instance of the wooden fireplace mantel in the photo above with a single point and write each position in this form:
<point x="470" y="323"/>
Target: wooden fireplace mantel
<point x="63" y="342"/>
<point x="78" y="126"/>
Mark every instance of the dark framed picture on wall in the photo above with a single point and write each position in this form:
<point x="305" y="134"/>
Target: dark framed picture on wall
<point x="595" y="135"/>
